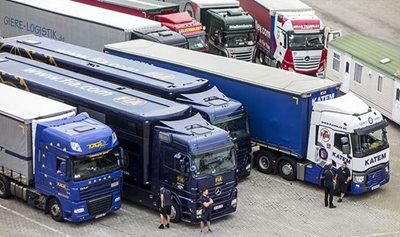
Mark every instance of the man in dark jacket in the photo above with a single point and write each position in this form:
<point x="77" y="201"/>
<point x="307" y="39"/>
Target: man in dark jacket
<point x="206" y="203"/>
<point x="165" y="207"/>
<point x="344" y="178"/>
<point x="329" y="177"/>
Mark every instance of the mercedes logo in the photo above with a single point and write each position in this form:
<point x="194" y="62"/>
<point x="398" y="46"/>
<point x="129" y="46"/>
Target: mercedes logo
<point x="307" y="58"/>
<point x="218" y="191"/>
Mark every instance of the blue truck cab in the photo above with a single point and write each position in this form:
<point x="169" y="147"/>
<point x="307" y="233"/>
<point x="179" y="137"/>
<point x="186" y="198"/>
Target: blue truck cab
<point x="124" y="70"/>
<point x="200" y="156"/>
<point x="158" y="137"/>
<point x="78" y="168"/>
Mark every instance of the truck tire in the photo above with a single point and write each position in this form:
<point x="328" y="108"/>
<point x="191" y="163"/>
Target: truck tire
<point x="176" y="212"/>
<point x="278" y="65"/>
<point x="287" y="168"/>
<point x="4" y="187"/>
<point x="265" y="161"/>
<point x="55" y="210"/>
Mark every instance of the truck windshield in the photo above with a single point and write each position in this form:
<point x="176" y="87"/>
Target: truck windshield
<point x="370" y="143"/>
<point x="238" y="127"/>
<point x="240" y="40"/>
<point x="306" y="41"/>
<point x="214" y="162"/>
<point x="89" y="166"/>
<point x="197" y="42"/>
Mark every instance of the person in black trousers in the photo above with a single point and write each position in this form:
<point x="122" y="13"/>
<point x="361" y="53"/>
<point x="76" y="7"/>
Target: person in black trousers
<point x="165" y="207"/>
<point x="344" y="178"/>
<point x="329" y="177"/>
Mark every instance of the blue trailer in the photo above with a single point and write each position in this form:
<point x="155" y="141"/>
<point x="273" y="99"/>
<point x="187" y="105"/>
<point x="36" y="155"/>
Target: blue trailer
<point x="212" y="104"/>
<point x="163" y="145"/>
<point x="49" y="157"/>
<point x="296" y="120"/>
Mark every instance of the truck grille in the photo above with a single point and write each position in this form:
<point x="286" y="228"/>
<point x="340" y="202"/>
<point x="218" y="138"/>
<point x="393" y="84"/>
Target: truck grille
<point x="244" y="53"/>
<point x="99" y="205"/>
<point x="226" y="191"/>
<point x="306" y="63"/>
<point x="98" y="189"/>
<point x="376" y="177"/>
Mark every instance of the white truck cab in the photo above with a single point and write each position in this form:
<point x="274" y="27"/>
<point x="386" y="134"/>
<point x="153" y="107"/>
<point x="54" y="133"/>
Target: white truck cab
<point x="346" y="129"/>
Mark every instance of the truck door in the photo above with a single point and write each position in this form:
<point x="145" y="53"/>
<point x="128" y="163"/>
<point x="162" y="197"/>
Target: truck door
<point x="337" y="154"/>
<point x="281" y="39"/>
<point x="345" y="87"/>
<point x="396" y="102"/>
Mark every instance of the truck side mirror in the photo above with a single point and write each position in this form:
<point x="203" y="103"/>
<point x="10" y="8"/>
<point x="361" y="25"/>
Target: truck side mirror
<point x="345" y="145"/>
<point x="121" y="157"/>
<point x="178" y="156"/>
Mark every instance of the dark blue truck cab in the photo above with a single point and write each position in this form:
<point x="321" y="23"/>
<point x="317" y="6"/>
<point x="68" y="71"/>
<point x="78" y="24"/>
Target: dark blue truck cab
<point x="196" y="92"/>
<point x="163" y="146"/>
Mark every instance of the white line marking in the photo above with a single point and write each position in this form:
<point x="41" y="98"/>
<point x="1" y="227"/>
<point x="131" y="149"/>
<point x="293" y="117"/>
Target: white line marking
<point x="32" y="220"/>
<point x="385" y="234"/>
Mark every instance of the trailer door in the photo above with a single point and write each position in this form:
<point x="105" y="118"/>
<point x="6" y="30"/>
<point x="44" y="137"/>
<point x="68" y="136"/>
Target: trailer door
<point x="396" y="102"/>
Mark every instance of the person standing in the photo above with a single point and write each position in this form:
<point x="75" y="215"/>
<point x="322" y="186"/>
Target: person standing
<point x="165" y="207"/>
<point x="206" y="203"/>
<point x="329" y="177"/>
<point x="344" y="178"/>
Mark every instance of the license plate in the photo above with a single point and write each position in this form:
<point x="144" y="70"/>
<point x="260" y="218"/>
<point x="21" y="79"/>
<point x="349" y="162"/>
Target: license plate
<point x="101" y="215"/>
<point x="375" y="187"/>
<point x="219" y="206"/>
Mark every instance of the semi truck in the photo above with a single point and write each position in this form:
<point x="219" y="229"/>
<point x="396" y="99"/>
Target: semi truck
<point x="166" y="13"/>
<point x="298" y="122"/>
<point x="230" y="30"/>
<point x="80" y="24"/>
<point x="163" y="145"/>
<point x="196" y="92"/>
<point x="65" y="164"/>
<point x="289" y="35"/>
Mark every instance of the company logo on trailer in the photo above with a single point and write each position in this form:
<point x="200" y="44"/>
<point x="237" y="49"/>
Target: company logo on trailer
<point x="323" y="98"/>
<point x="325" y="135"/>
<point x="129" y="100"/>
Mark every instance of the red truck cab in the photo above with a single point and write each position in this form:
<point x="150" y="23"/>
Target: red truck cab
<point x="183" y="23"/>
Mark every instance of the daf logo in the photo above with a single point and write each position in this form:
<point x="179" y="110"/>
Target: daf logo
<point x="370" y="120"/>
<point x="218" y="191"/>
<point x="307" y="58"/>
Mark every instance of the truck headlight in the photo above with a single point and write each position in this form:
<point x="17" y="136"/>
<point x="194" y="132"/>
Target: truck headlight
<point x="114" y="137"/>
<point x="387" y="169"/>
<point x="234" y="202"/>
<point x="79" y="210"/>
<point x="76" y="147"/>
<point x="114" y="184"/>
<point x="117" y="199"/>
<point x="358" y="178"/>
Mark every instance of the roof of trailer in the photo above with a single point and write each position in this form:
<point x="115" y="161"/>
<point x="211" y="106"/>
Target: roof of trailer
<point x="93" y="14"/>
<point x="252" y="73"/>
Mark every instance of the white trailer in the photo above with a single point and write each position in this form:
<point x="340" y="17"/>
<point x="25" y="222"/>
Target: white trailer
<point x="18" y="119"/>
<point x="78" y="23"/>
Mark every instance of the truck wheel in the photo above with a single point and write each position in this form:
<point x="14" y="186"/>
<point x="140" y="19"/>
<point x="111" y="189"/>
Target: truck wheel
<point x="55" y="210"/>
<point x="264" y="161"/>
<point x="287" y="168"/>
<point x="4" y="187"/>
<point x="175" y="212"/>
<point x="278" y="65"/>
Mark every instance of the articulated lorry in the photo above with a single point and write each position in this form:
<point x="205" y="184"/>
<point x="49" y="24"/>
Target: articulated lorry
<point x="65" y="164"/>
<point x="213" y="105"/>
<point x="297" y="121"/>
<point x="289" y="35"/>
<point x="230" y="30"/>
<point x="163" y="145"/>
<point x="80" y="24"/>
<point x="166" y="13"/>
